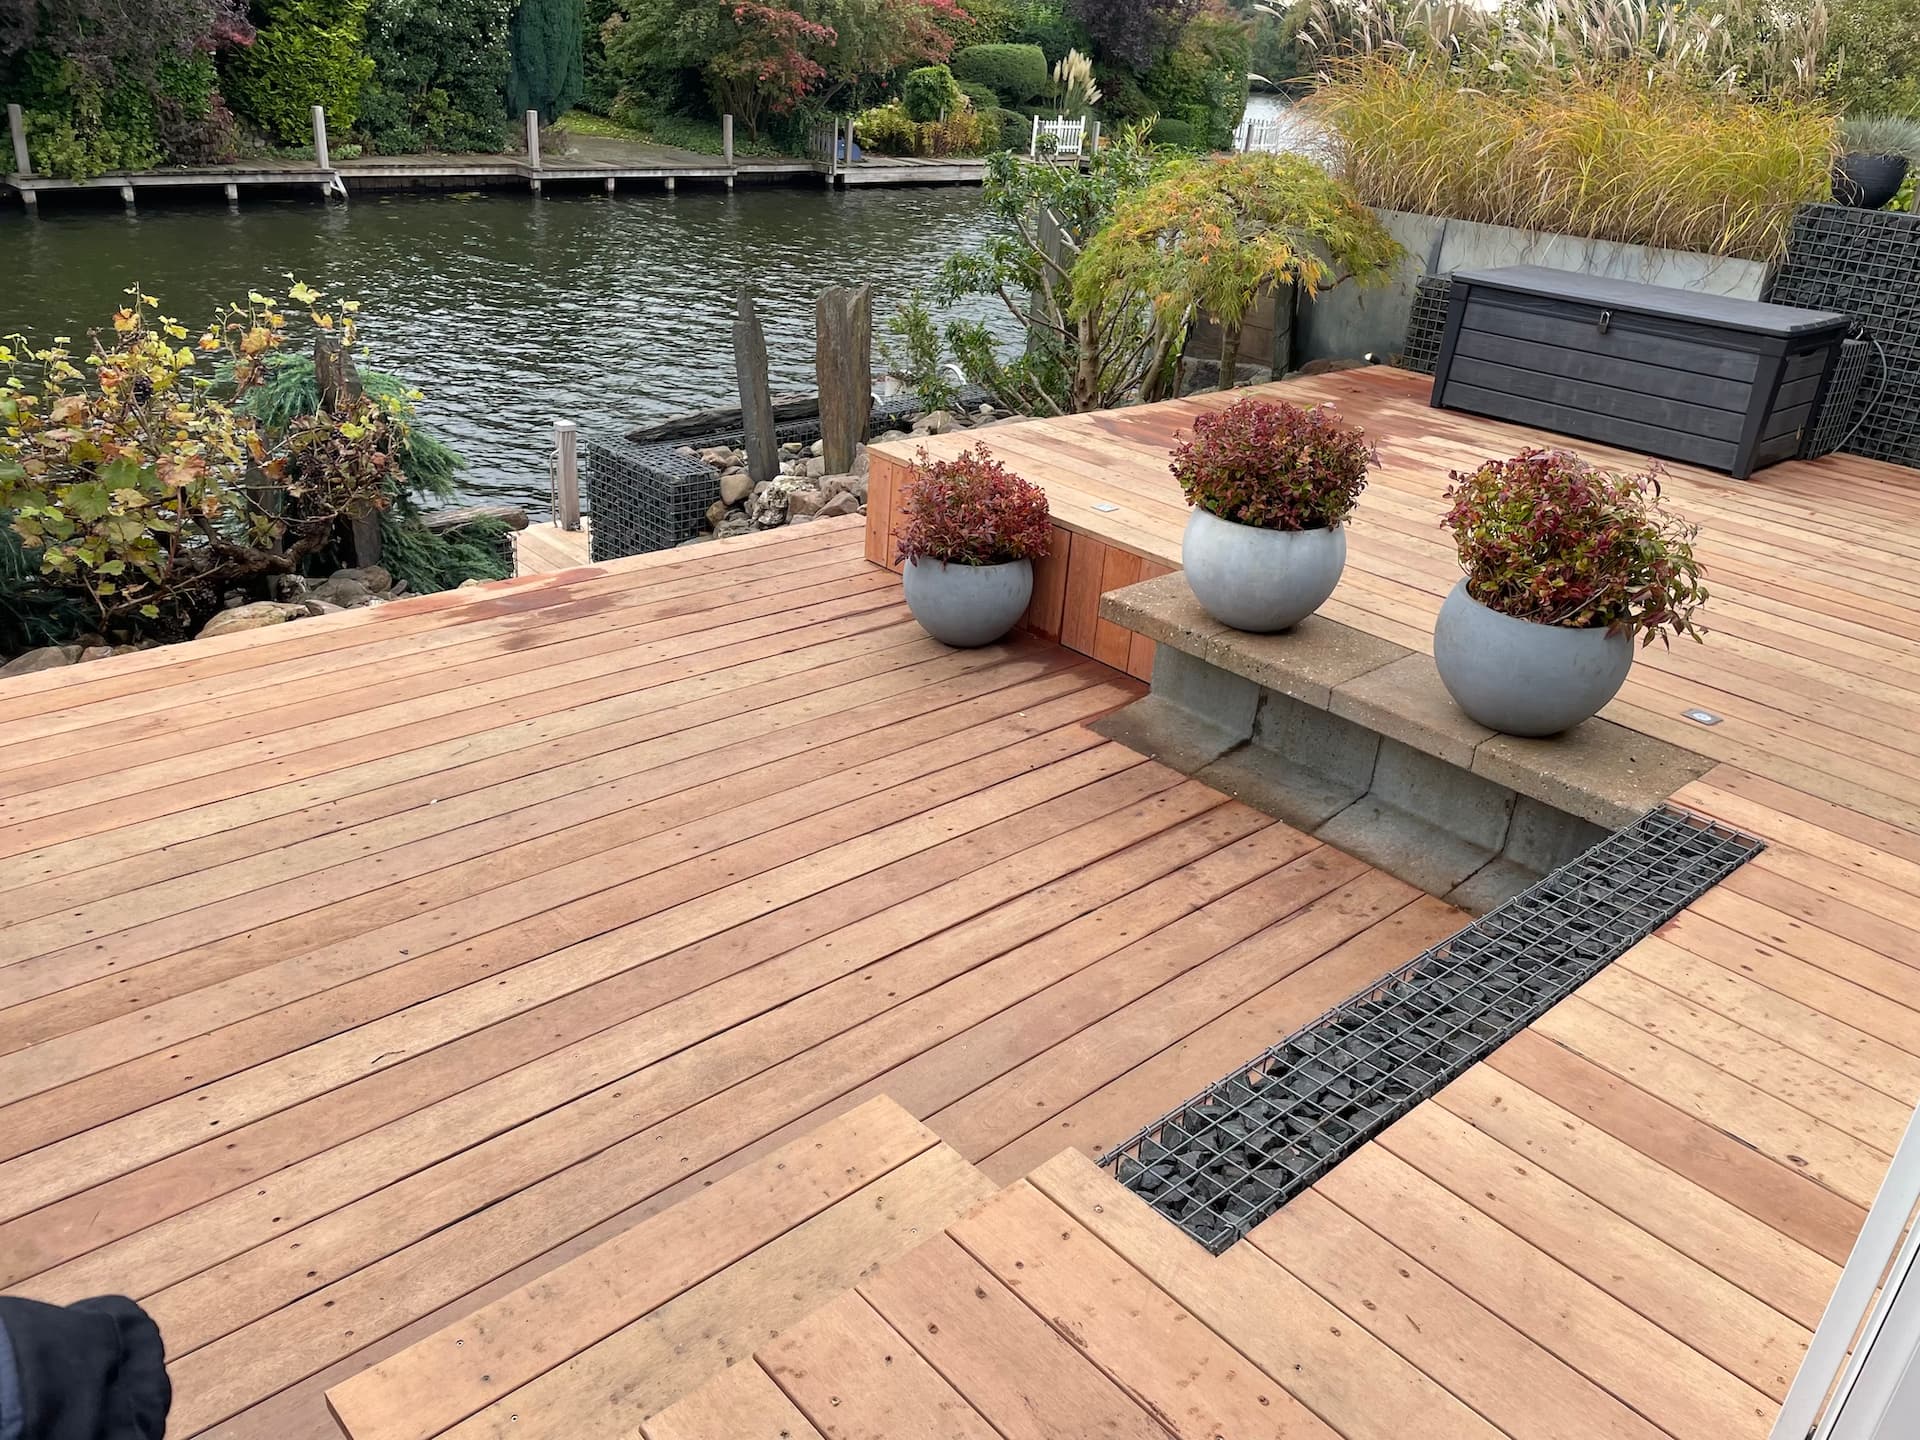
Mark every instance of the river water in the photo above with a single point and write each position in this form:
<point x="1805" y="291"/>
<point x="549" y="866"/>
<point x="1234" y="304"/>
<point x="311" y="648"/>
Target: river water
<point x="510" y="312"/>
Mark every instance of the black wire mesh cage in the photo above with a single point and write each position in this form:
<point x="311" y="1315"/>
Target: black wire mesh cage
<point x="1855" y="379"/>
<point x="1427" y="325"/>
<point x="1240" y="1150"/>
<point x="1865" y="263"/>
<point x="646" y="496"/>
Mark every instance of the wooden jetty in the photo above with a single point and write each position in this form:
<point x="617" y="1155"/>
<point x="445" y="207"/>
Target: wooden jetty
<point x="664" y="168"/>
<point x="676" y="997"/>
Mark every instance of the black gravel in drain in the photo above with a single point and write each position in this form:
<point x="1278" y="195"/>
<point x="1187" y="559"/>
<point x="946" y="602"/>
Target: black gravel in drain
<point x="1227" y="1159"/>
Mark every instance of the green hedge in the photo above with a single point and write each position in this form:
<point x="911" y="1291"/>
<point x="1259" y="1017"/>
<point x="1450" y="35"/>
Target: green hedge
<point x="1016" y="73"/>
<point x="305" y="53"/>
<point x="982" y="97"/>
<point x="1175" y="133"/>
<point x="1015" y="129"/>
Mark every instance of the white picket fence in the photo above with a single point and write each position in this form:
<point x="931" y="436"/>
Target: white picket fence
<point x="1267" y="137"/>
<point x="1069" y="138"/>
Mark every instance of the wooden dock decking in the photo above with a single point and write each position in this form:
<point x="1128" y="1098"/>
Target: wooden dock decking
<point x="387" y="960"/>
<point x="388" y="963"/>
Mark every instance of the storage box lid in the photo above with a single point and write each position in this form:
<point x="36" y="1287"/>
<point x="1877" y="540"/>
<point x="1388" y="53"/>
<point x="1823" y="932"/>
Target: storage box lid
<point x="1721" y="311"/>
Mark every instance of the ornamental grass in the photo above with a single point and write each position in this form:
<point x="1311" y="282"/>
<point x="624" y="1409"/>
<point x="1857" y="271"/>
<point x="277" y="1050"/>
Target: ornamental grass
<point x="1667" y="165"/>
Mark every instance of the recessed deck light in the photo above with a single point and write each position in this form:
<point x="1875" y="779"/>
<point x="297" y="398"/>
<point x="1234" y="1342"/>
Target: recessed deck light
<point x="1105" y="507"/>
<point x="1701" y="717"/>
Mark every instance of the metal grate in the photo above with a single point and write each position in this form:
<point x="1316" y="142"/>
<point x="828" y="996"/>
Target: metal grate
<point x="1854" y="383"/>
<point x="1428" y="324"/>
<point x="1865" y="263"/>
<point x="1240" y="1150"/>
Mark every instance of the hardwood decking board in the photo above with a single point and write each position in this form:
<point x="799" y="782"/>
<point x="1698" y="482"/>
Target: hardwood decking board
<point x="1634" y="1359"/>
<point x="457" y="1372"/>
<point x="742" y="1404"/>
<point x="1768" y="1265"/>
<point x="1362" y="1389"/>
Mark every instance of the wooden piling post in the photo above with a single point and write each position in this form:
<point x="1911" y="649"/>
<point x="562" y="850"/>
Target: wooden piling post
<point x="22" y="161"/>
<point x="126" y="198"/>
<point x="610" y="185"/>
<point x="533" y="138"/>
<point x="843" y="175"/>
<point x="321" y="159"/>
<point x="756" y="398"/>
<point x="670" y="184"/>
<point x="566" y="474"/>
<point x="843" y="363"/>
<point x="337" y="381"/>
<point x="726" y="137"/>
<point x="233" y="194"/>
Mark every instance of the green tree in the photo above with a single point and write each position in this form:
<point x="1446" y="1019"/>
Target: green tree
<point x="1875" y="45"/>
<point x="547" y="51"/>
<point x="1210" y="233"/>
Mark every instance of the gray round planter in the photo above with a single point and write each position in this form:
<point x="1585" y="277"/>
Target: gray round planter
<point x="1260" y="580"/>
<point x="967" y="605"/>
<point x="1523" y="678"/>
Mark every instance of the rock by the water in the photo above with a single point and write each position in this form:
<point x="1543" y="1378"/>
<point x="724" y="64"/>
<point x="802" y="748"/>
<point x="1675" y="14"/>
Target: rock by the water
<point x="718" y="456"/>
<point x="347" y="593"/>
<point x="251" y="617"/>
<point x="473" y="582"/>
<point x="805" y="502"/>
<point x="855" y="485"/>
<point x="935" y="422"/>
<point x="767" y="506"/>
<point x="735" y="486"/>
<point x="321" y="607"/>
<point x="735" y="524"/>
<point x="47" y="657"/>
<point x="818" y="447"/>
<point x="374" y="577"/>
<point x="861" y="464"/>
<point x="842" y="504"/>
<point x="716" y="512"/>
<point x="816" y="467"/>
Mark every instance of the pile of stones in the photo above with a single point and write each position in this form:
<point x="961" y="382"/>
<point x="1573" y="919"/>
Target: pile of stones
<point x="803" y="491"/>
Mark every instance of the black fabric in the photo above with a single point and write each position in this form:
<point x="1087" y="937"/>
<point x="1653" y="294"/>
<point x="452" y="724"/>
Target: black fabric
<point x="94" y="1370"/>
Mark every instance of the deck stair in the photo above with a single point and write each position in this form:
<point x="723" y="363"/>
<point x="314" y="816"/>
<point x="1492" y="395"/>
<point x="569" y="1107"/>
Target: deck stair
<point x="1064" y="1307"/>
<point x="597" y="1345"/>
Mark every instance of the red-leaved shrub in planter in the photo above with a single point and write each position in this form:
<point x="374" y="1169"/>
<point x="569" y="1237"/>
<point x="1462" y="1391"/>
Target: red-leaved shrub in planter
<point x="972" y="510"/>
<point x="1273" y="465"/>
<point x="1549" y="538"/>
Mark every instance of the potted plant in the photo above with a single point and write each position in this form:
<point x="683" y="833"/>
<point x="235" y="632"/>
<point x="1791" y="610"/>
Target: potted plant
<point x="1271" y="487"/>
<point x="972" y="530"/>
<point x="1565" y="565"/>
<point x="1875" y="153"/>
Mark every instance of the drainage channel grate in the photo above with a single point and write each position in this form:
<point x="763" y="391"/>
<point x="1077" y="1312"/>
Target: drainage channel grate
<point x="1227" y="1159"/>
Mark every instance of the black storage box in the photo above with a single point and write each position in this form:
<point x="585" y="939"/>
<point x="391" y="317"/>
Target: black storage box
<point x="1723" y="383"/>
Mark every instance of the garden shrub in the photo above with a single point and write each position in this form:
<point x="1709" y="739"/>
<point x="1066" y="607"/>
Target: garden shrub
<point x="979" y="96"/>
<point x="1272" y="464"/>
<point x="1053" y="31"/>
<point x="1203" y="81"/>
<point x="972" y="510"/>
<point x="1549" y="538"/>
<point x="886" y="130"/>
<point x="191" y="121"/>
<point x="440" y="75"/>
<point x="1008" y="129"/>
<point x="1017" y="73"/>
<point x="1174" y="134"/>
<point x="928" y="93"/>
<point x="305" y="53"/>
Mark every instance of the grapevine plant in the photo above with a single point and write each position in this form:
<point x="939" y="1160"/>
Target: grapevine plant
<point x="134" y="471"/>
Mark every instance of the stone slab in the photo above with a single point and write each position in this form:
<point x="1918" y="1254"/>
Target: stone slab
<point x="1443" y="795"/>
<point x="1600" y="771"/>
<point x="1403" y="845"/>
<point x="1405" y="701"/>
<point x="1338" y="751"/>
<point x="1216" y="698"/>
<point x="1277" y="786"/>
<point x="1163" y="731"/>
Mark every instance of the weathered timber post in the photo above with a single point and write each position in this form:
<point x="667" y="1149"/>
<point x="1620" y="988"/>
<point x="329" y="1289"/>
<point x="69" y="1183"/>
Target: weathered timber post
<point x="338" y="381"/>
<point x="726" y="137"/>
<point x="850" y="144"/>
<point x="22" y="161"/>
<point x="233" y="196"/>
<point x="756" y="399"/>
<point x="533" y="138"/>
<point x="843" y="362"/>
<point x="566" y="474"/>
<point x="320" y="157"/>
<point x="126" y="197"/>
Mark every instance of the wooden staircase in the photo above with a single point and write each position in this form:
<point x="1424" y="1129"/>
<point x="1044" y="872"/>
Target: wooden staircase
<point x="599" y="1344"/>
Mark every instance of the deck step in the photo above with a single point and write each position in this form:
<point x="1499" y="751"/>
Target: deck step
<point x="617" y="1334"/>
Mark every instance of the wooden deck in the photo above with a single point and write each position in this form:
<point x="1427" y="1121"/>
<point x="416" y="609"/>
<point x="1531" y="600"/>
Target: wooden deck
<point x="387" y="961"/>
<point x="545" y="548"/>
<point x="391" y="964"/>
